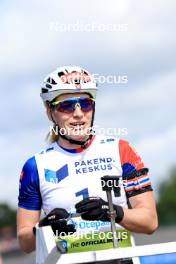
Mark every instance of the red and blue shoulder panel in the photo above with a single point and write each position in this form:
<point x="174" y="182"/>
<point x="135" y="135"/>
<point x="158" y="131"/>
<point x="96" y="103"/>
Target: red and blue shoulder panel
<point x="135" y="175"/>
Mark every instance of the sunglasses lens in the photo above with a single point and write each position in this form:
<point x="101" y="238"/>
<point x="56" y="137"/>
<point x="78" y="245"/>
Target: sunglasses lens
<point x="68" y="106"/>
<point x="86" y="104"/>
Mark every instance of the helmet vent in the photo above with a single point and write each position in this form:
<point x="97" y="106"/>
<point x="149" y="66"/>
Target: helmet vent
<point x="44" y="90"/>
<point x="51" y="80"/>
<point x="85" y="72"/>
<point x="61" y="74"/>
<point x="48" y="86"/>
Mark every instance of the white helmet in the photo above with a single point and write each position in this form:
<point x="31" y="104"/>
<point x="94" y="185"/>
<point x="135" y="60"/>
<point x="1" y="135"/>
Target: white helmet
<point x="68" y="79"/>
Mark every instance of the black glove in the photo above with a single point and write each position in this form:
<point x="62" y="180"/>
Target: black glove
<point x="57" y="219"/>
<point x="95" y="208"/>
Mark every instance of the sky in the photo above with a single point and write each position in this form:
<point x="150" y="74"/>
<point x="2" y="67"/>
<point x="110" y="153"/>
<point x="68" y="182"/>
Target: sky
<point x="127" y="39"/>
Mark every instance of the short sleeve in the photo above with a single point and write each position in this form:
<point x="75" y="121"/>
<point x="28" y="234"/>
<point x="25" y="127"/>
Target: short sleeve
<point x="29" y="191"/>
<point x="135" y="175"/>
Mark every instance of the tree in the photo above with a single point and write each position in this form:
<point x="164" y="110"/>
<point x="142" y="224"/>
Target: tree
<point x="7" y="215"/>
<point x="166" y="206"/>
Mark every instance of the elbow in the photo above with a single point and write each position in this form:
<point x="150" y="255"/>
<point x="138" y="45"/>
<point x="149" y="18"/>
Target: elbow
<point x="152" y="227"/>
<point x="25" y="245"/>
<point x="26" y="249"/>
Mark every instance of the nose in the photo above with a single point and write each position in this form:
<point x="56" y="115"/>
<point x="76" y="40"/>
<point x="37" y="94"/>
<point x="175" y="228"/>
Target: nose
<point x="78" y="112"/>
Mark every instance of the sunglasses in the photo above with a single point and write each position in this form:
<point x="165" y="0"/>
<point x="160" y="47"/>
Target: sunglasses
<point x="69" y="105"/>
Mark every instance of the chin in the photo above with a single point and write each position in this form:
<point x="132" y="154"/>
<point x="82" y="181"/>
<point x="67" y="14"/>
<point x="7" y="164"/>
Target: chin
<point x="79" y="137"/>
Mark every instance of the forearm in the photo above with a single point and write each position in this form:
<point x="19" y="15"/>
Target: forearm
<point x="139" y="220"/>
<point x="26" y="239"/>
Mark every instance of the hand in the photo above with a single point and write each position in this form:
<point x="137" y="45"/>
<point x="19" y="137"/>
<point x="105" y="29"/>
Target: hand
<point x="57" y="219"/>
<point x="95" y="208"/>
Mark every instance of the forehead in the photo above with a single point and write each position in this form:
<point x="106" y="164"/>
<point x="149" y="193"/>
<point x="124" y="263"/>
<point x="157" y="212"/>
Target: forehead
<point x="71" y="95"/>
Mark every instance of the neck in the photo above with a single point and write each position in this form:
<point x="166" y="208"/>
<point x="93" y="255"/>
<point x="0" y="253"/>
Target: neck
<point x="66" y="144"/>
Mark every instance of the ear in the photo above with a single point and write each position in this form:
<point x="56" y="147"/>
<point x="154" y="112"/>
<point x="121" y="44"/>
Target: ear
<point x="49" y="114"/>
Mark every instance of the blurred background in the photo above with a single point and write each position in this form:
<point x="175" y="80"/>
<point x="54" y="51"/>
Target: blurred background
<point x="133" y="41"/>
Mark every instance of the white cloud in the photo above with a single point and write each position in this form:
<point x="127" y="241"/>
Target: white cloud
<point x="28" y="45"/>
<point x="159" y="153"/>
<point x="147" y="107"/>
<point x="16" y="150"/>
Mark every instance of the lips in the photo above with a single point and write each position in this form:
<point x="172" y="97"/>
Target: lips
<point x="77" y="124"/>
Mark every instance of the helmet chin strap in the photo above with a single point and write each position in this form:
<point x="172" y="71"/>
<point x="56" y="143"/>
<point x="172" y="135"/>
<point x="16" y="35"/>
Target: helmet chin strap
<point x="83" y="144"/>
